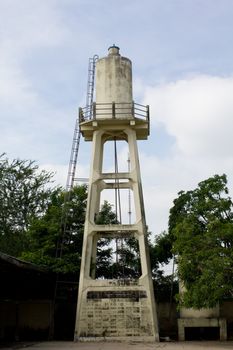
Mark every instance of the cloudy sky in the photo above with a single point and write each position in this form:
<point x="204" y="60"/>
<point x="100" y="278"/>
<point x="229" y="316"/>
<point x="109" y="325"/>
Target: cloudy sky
<point x="182" y="56"/>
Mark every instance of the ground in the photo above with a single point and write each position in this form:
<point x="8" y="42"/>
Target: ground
<point x="123" y="346"/>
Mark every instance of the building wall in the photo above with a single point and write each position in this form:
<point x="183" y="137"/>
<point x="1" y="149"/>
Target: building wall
<point x="25" y="320"/>
<point x="226" y="311"/>
<point x="31" y="319"/>
<point x="208" y="313"/>
<point x="167" y="317"/>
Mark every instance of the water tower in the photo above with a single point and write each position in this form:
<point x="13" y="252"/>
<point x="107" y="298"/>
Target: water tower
<point x="117" y="308"/>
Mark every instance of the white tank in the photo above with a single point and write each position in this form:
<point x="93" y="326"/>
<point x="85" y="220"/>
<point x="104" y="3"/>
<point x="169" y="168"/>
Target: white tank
<point x="113" y="84"/>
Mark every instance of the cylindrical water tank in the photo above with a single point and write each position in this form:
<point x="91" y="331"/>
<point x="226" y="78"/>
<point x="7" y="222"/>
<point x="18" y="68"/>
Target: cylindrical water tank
<point x="113" y="84"/>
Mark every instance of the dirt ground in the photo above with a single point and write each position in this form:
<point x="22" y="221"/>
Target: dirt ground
<point x="123" y="346"/>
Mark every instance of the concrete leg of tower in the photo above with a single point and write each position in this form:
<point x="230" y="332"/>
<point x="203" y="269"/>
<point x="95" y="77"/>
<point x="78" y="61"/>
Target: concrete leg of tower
<point x="115" y="309"/>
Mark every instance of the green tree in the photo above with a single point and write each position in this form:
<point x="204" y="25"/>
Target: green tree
<point x="24" y="195"/>
<point x="160" y="252"/>
<point x="201" y="225"/>
<point x="45" y="224"/>
<point x="165" y="286"/>
<point x="104" y="254"/>
<point x="117" y="257"/>
<point x="56" y="237"/>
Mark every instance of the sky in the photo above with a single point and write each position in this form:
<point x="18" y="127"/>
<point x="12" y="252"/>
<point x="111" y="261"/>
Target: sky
<point x="182" y="56"/>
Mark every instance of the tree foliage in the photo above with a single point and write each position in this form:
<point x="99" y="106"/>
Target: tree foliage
<point x="55" y="239"/>
<point x="44" y="225"/>
<point x="118" y="257"/>
<point x="165" y="286"/>
<point x="201" y="225"/>
<point x="160" y="251"/>
<point x="24" y="195"/>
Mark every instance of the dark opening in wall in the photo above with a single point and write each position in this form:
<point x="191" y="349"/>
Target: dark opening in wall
<point x="202" y="333"/>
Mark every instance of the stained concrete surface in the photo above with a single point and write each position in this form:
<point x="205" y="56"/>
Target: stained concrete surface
<point x="123" y="346"/>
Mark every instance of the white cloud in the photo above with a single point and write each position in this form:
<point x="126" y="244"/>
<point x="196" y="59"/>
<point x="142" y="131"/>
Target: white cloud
<point x="198" y="112"/>
<point x="30" y="24"/>
<point x="31" y="126"/>
<point x="15" y="89"/>
<point x="26" y="28"/>
<point x="164" y="178"/>
<point x="61" y="171"/>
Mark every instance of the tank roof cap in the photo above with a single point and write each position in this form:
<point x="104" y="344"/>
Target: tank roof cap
<point x="113" y="50"/>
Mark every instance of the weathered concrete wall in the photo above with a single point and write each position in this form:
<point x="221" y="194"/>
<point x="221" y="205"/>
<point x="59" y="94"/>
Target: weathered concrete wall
<point x="24" y="320"/>
<point x="167" y="318"/>
<point x="116" y="313"/>
<point x="208" y="313"/>
<point x="113" y="84"/>
<point x="113" y="78"/>
<point x="226" y="310"/>
<point x="34" y="315"/>
<point x="221" y="317"/>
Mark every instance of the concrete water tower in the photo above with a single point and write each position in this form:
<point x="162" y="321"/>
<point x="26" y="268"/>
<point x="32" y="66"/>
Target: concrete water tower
<point x="119" y="308"/>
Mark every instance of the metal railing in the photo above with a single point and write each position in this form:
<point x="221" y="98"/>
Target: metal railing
<point x="114" y="110"/>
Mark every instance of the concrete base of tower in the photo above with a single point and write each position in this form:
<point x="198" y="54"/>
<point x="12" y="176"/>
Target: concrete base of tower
<point x="117" y="339"/>
<point x="116" y="314"/>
